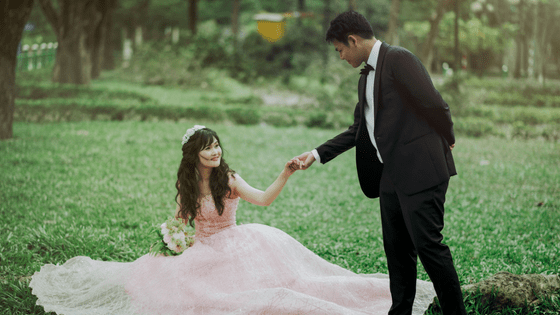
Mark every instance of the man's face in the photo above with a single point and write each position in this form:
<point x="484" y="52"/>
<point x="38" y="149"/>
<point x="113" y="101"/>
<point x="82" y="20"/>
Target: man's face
<point x="348" y="53"/>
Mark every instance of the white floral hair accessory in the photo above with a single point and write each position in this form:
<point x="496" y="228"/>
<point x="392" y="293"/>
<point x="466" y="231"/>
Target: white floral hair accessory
<point x="191" y="132"/>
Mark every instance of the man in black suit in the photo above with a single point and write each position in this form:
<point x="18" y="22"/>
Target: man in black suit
<point x="403" y="136"/>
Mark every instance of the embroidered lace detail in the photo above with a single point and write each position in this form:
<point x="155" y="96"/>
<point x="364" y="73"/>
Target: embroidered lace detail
<point x="208" y="222"/>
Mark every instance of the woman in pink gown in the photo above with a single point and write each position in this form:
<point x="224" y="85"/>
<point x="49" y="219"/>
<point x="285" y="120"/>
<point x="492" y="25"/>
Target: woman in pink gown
<point x="230" y="269"/>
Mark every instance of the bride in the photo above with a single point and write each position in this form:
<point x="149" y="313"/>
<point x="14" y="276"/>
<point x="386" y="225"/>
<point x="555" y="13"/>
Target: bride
<point x="230" y="269"/>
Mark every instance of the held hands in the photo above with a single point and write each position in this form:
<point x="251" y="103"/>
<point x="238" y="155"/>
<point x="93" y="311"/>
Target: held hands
<point x="307" y="158"/>
<point x="300" y="162"/>
<point x="292" y="166"/>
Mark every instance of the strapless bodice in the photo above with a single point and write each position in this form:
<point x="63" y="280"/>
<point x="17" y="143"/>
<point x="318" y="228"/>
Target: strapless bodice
<point x="208" y="222"/>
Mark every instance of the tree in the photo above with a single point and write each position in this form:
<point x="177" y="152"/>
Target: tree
<point x="99" y="42"/>
<point x="546" y="17"/>
<point x="74" y="26"/>
<point x="193" y="15"/>
<point x="108" y="60"/>
<point x="301" y="5"/>
<point x="427" y="54"/>
<point x="521" y="40"/>
<point x="393" y="20"/>
<point x="235" y="25"/>
<point x="13" y="17"/>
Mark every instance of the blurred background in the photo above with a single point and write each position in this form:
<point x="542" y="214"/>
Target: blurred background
<point x="496" y="62"/>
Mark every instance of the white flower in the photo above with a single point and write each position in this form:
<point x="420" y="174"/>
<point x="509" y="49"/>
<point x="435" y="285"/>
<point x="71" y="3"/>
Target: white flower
<point x="177" y="247"/>
<point x="191" y="132"/>
<point x="179" y="236"/>
<point x="172" y="246"/>
<point x="167" y="238"/>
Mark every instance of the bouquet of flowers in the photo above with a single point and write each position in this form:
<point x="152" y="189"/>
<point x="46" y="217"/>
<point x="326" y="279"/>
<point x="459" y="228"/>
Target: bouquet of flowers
<point x="173" y="238"/>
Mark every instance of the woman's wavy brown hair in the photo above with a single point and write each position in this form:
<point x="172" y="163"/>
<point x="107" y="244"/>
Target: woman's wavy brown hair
<point x="188" y="192"/>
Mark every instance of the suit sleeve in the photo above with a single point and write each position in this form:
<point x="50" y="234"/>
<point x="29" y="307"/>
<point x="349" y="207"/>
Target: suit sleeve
<point x="410" y="74"/>
<point x="342" y="142"/>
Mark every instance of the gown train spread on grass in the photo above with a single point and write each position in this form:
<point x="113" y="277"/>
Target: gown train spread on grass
<point x="230" y="269"/>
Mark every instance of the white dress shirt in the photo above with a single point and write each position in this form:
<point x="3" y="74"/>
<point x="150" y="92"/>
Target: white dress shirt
<point x="370" y="120"/>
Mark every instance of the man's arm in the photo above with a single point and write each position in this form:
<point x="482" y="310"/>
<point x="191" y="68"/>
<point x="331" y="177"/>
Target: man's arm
<point x="412" y="75"/>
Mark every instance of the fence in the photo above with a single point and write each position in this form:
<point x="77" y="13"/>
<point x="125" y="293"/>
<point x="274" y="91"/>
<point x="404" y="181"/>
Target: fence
<point x="36" y="56"/>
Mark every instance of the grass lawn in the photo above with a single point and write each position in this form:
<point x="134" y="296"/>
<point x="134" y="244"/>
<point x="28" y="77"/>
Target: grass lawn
<point x="96" y="188"/>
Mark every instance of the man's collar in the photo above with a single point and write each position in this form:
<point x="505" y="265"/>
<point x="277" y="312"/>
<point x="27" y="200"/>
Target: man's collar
<point x="374" y="54"/>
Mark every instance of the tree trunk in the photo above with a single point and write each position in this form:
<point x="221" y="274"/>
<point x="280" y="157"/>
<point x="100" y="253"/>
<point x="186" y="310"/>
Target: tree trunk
<point x="13" y="17"/>
<point x="301" y="5"/>
<point x="547" y="13"/>
<point x="456" y="36"/>
<point x="427" y="54"/>
<point x="193" y="15"/>
<point x="97" y="40"/>
<point x="99" y="37"/>
<point x="235" y="24"/>
<point x="108" y="62"/>
<point x="518" y="57"/>
<point x="74" y="26"/>
<point x="393" y="20"/>
<point x="327" y="15"/>
<point x="527" y="17"/>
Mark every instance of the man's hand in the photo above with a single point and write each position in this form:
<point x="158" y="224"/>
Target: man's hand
<point x="293" y="165"/>
<point x="307" y="158"/>
<point x="451" y="147"/>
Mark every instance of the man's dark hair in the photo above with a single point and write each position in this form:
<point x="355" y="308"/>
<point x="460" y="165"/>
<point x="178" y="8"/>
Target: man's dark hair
<point x="349" y="23"/>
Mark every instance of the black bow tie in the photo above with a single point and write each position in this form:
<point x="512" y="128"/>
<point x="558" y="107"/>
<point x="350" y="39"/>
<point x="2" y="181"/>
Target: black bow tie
<point x="365" y="70"/>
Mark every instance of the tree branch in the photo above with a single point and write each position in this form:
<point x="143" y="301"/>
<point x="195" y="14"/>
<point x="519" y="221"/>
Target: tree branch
<point x="51" y="14"/>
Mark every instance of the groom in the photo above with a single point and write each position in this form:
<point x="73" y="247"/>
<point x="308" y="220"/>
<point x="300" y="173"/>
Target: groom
<point x="403" y="136"/>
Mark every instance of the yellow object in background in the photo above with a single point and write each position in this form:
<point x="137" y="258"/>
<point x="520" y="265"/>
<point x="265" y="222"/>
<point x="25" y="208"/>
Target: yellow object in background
<point x="271" y="26"/>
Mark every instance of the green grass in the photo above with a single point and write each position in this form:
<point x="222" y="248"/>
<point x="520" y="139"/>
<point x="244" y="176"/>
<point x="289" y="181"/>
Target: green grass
<point x="96" y="189"/>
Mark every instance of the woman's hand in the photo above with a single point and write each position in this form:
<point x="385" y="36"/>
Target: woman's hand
<point x="265" y="198"/>
<point x="292" y="166"/>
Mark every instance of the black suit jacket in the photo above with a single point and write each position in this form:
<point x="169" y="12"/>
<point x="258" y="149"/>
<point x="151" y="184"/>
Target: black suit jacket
<point x="413" y="128"/>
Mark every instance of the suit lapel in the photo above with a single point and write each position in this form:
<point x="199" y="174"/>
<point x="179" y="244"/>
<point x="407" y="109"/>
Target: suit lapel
<point x="378" y="69"/>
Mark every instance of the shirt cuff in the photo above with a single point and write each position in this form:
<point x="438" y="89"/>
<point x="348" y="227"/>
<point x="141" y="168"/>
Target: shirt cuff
<point x="316" y="155"/>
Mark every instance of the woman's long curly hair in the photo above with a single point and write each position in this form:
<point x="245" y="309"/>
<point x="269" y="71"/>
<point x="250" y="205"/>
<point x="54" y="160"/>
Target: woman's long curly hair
<point x="188" y="192"/>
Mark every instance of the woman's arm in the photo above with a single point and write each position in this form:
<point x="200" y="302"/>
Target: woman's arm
<point x="265" y="198"/>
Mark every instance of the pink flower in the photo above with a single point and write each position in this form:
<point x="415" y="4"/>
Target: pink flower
<point x="167" y="238"/>
<point x="180" y="236"/>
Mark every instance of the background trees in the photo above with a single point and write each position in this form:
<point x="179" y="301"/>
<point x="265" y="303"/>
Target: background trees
<point x="173" y="41"/>
<point x="13" y="16"/>
<point x="81" y="28"/>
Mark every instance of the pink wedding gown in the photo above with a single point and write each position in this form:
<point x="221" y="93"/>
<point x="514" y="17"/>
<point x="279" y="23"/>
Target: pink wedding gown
<point x="230" y="269"/>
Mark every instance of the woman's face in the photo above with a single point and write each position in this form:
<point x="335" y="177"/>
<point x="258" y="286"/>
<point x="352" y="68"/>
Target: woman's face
<point x="211" y="155"/>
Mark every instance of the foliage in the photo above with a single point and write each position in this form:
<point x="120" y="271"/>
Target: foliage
<point x="474" y="127"/>
<point x="38" y="29"/>
<point x="476" y="38"/>
<point x="243" y="116"/>
<point x="291" y="55"/>
<point x="87" y="180"/>
<point x="161" y="63"/>
<point x="480" y="107"/>
<point x="279" y="118"/>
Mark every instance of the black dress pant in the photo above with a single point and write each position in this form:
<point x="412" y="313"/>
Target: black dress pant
<point x="412" y="227"/>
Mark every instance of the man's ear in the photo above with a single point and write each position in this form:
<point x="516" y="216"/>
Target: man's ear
<point x="352" y="40"/>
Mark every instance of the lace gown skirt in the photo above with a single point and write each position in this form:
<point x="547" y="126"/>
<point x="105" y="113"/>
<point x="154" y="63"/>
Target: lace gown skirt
<point x="246" y="269"/>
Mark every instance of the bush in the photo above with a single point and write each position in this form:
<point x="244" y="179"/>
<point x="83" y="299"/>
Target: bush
<point x="474" y="127"/>
<point x="279" y="119"/>
<point x="244" y="116"/>
<point x="290" y="55"/>
<point x="318" y="120"/>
